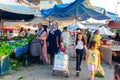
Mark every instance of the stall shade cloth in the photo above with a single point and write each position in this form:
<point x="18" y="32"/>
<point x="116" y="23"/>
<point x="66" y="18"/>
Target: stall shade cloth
<point x="105" y="31"/>
<point x="79" y="9"/>
<point x="75" y="26"/>
<point x="11" y="10"/>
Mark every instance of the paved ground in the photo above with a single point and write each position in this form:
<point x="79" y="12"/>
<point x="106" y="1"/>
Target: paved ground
<point x="43" y="72"/>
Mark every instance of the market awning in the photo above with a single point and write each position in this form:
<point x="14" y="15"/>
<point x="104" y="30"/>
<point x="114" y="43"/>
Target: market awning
<point x="11" y="10"/>
<point x="79" y="9"/>
<point x="9" y="28"/>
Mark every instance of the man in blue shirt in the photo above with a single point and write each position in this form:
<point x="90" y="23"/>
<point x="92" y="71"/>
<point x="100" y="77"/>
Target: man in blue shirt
<point x="39" y="29"/>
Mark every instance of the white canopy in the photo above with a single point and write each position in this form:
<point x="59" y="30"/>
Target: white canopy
<point x="105" y="31"/>
<point x="30" y="27"/>
<point x="75" y="26"/>
<point x="14" y="7"/>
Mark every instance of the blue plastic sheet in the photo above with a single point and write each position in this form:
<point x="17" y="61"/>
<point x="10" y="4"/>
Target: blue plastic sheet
<point x="80" y="9"/>
<point x="21" y="50"/>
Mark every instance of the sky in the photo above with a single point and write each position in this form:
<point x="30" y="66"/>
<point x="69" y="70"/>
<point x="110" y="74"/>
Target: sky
<point x="109" y="5"/>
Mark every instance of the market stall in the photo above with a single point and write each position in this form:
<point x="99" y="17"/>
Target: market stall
<point x="109" y="50"/>
<point x="14" y="49"/>
<point x="13" y="11"/>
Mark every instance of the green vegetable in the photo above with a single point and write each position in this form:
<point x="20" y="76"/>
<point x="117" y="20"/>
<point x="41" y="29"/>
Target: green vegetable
<point x="100" y="73"/>
<point x="20" y="78"/>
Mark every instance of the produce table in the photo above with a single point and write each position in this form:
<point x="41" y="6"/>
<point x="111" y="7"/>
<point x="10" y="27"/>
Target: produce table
<point x="19" y="47"/>
<point x="107" y="52"/>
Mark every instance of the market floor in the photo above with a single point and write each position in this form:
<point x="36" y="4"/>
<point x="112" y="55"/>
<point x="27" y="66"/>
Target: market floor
<point x="43" y="72"/>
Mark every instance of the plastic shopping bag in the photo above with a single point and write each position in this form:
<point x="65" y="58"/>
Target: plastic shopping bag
<point x="100" y="72"/>
<point x="60" y="61"/>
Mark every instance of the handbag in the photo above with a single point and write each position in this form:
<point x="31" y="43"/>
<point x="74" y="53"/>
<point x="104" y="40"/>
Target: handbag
<point x="100" y="72"/>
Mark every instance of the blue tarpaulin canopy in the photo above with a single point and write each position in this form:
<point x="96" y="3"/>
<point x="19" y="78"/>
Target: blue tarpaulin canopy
<point x="11" y="10"/>
<point x="80" y="9"/>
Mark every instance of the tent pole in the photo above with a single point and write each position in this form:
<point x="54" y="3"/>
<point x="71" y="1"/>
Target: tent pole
<point x="49" y="21"/>
<point x="76" y="22"/>
<point x="75" y="28"/>
<point x="0" y="23"/>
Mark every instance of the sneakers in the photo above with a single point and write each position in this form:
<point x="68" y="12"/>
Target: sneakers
<point x="77" y="73"/>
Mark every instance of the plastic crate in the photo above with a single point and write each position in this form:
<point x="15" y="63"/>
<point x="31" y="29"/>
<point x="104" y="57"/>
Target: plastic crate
<point x="4" y="64"/>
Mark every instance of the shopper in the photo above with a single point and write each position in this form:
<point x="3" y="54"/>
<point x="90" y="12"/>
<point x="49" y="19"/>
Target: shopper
<point x="54" y="37"/>
<point x="21" y="32"/>
<point x="117" y="71"/>
<point x="42" y="35"/>
<point x="97" y="38"/>
<point x="117" y="37"/>
<point x="66" y="38"/>
<point x="79" y="46"/>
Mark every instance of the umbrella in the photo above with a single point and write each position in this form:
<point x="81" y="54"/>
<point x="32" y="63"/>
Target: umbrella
<point x="80" y="9"/>
<point x="11" y="10"/>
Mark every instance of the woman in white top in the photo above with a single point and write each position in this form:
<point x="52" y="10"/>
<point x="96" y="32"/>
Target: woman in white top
<point x="22" y="32"/>
<point x="29" y="32"/>
<point x="79" y="46"/>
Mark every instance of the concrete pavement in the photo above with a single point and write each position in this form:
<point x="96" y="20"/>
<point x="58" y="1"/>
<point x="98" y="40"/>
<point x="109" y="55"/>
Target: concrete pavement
<point x="43" y="72"/>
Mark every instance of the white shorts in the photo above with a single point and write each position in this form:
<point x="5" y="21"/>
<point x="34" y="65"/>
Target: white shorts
<point x="92" y="67"/>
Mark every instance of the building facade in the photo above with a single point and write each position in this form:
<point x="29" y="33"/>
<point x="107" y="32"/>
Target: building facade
<point x="39" y="4"/>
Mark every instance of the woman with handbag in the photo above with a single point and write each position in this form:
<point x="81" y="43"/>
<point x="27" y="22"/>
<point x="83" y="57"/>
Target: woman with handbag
<point x="53" y="41"/>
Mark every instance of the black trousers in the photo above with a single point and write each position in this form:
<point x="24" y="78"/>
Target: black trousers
<point x="52" y="55"/>
<point x="79" y="55"/>
<point x="52" y="59"/>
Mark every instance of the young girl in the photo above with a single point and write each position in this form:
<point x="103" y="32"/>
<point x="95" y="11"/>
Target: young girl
<point x="93" y="59"/>
<point x="79" y="45"/>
